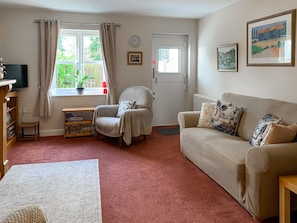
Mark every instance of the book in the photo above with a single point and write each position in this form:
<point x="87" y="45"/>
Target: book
<point x="8" y="117"/>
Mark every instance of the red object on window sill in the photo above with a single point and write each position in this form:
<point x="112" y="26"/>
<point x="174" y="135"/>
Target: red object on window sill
<point x="105" y="91"/>
<point x="103" y="84"/>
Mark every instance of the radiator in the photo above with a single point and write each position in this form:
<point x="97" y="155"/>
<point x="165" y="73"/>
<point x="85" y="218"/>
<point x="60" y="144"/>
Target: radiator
<point x="198" y="99"/>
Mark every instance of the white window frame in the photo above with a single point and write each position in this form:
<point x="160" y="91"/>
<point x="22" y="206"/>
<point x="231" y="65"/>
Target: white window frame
<point x="79" y="62"/>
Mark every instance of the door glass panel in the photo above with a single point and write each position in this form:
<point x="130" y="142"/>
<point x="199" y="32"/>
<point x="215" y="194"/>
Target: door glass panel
<point x="168" y="60"/>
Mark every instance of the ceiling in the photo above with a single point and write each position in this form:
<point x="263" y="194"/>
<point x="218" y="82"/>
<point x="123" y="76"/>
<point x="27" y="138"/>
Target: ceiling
<point x="191" y="9"/>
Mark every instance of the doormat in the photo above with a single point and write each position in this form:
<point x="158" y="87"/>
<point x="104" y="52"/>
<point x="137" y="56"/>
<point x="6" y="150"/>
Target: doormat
<point x="67" y="191"/>
<point x="168" y="131"/>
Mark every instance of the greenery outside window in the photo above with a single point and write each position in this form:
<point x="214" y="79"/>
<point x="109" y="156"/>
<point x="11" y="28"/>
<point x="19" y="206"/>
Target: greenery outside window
<point x="79" y="52"/>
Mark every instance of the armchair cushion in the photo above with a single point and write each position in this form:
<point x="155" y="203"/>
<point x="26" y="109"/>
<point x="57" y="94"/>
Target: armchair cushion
<point x="109" y="126"/>
<point x="125" y="105"/>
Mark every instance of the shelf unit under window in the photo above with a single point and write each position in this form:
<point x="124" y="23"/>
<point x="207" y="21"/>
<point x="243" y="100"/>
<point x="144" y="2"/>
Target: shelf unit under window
<point x="78" y="122"/>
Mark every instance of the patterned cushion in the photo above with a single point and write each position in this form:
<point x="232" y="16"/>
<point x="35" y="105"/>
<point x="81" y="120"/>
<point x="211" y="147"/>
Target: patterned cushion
<point x="206" y="113"/>
<point x="280" y="134"/>
<point x="219" y="106"/>
<point x="226" y="118"/>
<point x="125" y="105"/>
<point x="262" y="129"/>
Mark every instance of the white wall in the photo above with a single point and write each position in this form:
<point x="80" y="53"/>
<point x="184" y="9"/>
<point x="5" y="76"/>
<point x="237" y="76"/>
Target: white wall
<point x="19" y="40"/>
<point x="229" y="26"/>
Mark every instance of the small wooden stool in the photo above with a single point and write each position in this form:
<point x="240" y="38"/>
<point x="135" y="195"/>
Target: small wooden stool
<point x="25" y="125"/>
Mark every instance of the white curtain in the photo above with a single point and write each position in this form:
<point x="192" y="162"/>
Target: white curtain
<point x="108" y="45"/>
<point x="48" y="41"/>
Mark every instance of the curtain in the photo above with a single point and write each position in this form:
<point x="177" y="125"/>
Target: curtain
<point x="48" y="34"/>
<point x="108" y="42"/>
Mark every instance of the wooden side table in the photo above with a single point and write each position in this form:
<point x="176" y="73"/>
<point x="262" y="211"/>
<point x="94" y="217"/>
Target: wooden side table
<point x="286" y="185"/>
<point x="32" y="125"/>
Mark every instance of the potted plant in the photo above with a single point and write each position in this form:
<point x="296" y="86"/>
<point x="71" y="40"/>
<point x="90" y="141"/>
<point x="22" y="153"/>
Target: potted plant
<point x="80" y="81"/>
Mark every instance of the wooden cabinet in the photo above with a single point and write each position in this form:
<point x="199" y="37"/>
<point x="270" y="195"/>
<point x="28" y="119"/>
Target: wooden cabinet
<point x="78" y="121"/>
<point x="5" y="87"/>
<point x="12" y="119"/>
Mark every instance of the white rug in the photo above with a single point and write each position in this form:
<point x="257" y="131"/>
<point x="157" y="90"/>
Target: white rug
<point x="67" y="191"/>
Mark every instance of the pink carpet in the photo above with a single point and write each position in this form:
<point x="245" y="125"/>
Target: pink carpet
<point x="149" y="181"/>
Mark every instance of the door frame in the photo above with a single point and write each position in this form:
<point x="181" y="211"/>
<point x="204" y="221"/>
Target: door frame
<point x="186" y="66"/>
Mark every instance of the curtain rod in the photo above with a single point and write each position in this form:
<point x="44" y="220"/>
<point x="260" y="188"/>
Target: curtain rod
<point x="77" y="23"/>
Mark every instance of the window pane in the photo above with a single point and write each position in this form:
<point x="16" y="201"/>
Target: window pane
<point x="66" y="48"/>
<point x="97" y="72"/>
<point x="64" y="73"/>
<point x="91" y="49"/>
<point x="168" y="60"/>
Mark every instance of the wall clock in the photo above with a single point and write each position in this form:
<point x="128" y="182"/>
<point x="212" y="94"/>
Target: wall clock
<point x="134" y="40"/>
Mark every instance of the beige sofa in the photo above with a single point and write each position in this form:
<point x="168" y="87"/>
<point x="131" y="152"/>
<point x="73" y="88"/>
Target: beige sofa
<point x="249" y="173"/>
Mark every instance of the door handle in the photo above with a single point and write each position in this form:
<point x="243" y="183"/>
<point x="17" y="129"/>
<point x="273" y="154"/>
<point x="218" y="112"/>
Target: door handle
<point x="185" y="82"/>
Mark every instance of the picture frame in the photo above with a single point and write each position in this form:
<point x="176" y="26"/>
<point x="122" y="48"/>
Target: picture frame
<point x="134" y="58"/>
<point x="271" y="40"/>
<point x="227" y="57"/>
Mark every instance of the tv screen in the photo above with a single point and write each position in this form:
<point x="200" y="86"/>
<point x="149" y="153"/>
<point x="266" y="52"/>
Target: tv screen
<point x="18" y="72"/>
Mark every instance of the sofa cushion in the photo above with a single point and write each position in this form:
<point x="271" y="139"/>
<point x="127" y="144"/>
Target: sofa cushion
<point x="280" y="134"/>
<point x="226" y="118"/>
<point x="206" y="114"/>
<point x="262" y="129"/>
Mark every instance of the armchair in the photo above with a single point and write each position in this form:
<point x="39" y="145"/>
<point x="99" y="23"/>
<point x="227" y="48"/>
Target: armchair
<point x="131" y="117"/>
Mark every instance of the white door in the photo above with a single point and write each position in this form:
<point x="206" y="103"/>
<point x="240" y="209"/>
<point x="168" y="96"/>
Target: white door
<point x="169" y="77"/>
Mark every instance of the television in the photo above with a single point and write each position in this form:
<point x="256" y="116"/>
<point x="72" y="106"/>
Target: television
<point x="18" y="72"/>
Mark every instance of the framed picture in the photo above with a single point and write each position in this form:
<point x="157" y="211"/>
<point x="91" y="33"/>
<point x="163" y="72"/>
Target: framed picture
<point x="134" y="58"/>
<point x="271" y="40"/>
<point x="227" y="57"/>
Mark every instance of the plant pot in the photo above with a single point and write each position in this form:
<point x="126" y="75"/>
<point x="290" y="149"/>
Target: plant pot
<point x="80" y="90"/>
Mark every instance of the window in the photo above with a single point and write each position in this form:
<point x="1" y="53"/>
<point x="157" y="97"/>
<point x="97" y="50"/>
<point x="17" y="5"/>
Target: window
<point x="78" y="52"/>
<point x="168" y="60"/>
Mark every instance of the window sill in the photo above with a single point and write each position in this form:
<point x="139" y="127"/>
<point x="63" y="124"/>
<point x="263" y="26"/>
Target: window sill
<point x="74" y="92"/>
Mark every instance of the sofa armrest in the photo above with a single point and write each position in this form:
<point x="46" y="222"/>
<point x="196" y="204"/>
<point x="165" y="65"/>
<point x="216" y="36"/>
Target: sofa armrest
<point x="279" y="158"/>
<point x="264" y="165"/>
<point x="188" y="119"/>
